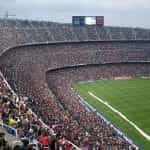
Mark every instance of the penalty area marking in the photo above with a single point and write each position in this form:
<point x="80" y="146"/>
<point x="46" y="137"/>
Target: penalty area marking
<point x="145" y="135"/>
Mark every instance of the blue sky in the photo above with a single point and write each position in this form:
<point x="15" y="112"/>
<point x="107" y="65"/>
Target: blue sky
<point x="135" y="13"/>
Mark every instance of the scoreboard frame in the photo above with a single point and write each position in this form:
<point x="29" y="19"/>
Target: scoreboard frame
<point x="87" y="20"/>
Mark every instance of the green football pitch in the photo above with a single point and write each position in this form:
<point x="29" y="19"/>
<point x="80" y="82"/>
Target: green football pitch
<point x="129" y="97"/>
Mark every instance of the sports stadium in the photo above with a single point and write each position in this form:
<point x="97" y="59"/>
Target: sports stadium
<point x="81" y="87"/>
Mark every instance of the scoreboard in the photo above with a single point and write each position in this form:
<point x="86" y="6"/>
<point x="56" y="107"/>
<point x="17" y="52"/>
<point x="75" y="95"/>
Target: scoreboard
<point x="88" y="20"/>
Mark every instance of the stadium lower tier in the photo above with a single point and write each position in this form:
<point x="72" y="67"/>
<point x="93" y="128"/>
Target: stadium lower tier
<point x="61" y="80"/>
<point x="61" y="109"/>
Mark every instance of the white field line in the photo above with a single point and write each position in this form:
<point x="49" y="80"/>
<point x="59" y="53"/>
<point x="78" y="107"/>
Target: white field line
<point x="145" y="135"/>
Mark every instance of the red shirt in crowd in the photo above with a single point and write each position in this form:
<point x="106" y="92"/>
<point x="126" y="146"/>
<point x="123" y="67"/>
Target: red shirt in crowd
<point x="44" y="140"/>
<point x="68" y="147"/>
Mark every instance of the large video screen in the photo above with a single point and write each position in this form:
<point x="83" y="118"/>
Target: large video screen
<point x="90" y="20"/>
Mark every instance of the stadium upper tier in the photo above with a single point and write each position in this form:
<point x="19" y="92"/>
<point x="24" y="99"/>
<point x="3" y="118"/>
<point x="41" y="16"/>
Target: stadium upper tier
<point x="16" y="32"/>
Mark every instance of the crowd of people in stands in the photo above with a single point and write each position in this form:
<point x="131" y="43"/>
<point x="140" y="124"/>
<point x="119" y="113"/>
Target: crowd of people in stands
<point x="87" y="126"/>
<point x="63" y="111"/>
<point x="19" y="121"/>
<point x="16" y="32"/>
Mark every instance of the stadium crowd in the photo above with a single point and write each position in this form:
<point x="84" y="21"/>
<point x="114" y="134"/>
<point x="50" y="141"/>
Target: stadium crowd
<point x="21" y="122"/>
<point x="65" y="114"/>
<point x="60" y="82"/>
<point x="16" y="32"/>
<point x="59" y="108"/>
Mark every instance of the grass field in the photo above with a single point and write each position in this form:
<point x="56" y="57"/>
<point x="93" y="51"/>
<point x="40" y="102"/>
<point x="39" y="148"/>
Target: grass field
<point x="130" y="97"/>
